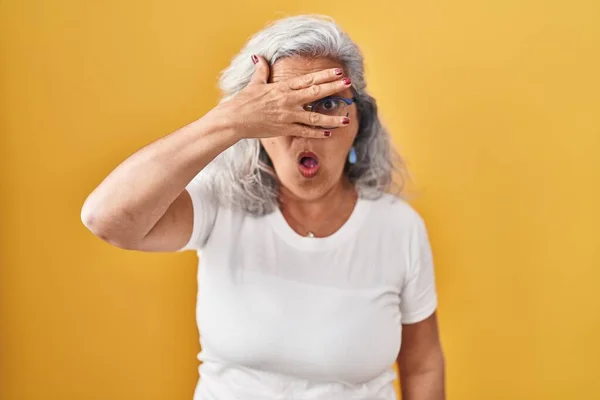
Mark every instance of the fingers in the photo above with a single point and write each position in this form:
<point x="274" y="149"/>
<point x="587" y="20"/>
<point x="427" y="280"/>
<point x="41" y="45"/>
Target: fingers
<point x="314" y="119"/>
<point x="308" y="132"/>
<point x="315" y="78"/>
<point x="261" y="71"/>
<point x="316" y="92"/>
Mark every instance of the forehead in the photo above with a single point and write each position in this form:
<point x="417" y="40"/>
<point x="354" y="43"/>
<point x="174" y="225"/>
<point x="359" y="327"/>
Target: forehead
<point x="291" y="67"/>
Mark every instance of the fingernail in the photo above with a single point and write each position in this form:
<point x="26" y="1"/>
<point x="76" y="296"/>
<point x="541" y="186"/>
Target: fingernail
<point x="339" y="71"/>
<point x="347" y="81"/>
<point x="327" y="133"/>
<point x="345" y="121"/>
<point x="254" y="59"/>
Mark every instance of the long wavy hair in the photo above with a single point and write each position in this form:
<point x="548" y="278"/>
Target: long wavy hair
<point x="243" y="176"/>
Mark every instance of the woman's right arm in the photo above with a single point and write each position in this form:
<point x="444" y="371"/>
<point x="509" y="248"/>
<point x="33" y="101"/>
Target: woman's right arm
<point x="143" y="204"/>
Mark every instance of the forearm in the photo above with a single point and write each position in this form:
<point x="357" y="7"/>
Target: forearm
<point x="424" y="385"/>
<point x="129" y="202"/>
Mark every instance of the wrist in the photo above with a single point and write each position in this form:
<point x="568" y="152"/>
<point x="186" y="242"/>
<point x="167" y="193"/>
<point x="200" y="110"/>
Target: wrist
<point x="218" y="123"/>
<point x="227" y="115"/>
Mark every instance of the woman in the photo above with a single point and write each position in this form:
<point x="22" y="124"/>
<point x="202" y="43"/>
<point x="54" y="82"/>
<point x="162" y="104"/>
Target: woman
<point x="311" y="273"/>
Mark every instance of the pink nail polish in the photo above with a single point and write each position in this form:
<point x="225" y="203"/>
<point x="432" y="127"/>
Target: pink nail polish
<point x="347" y="81"/>
<point x="254" y="59"/>
<point x="339" y="71"/>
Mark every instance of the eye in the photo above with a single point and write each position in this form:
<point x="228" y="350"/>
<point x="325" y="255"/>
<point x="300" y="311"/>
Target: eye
<point x="328" y="106"/>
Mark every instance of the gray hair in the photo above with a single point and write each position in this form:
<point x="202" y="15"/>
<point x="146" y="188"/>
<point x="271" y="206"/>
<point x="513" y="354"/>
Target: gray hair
<point x="243" y="176"/>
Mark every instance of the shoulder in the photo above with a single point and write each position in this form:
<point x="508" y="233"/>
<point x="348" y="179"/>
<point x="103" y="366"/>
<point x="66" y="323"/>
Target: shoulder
<point x="393" y="210"/>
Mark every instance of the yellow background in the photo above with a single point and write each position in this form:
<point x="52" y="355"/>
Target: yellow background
<point x="494" y="104"/>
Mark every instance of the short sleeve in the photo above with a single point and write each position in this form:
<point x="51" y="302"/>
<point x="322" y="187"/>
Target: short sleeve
<point x="205" y="209"/>
<point x="418" y="297"/>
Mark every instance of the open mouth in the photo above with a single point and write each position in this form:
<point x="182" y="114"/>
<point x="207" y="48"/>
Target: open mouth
<point x="308" y="164"/>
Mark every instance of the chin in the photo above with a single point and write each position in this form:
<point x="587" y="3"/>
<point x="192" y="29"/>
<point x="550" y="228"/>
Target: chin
<point x="308" y="189"/>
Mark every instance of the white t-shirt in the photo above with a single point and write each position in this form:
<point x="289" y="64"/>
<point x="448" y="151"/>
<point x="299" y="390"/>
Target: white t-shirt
<point x="283" y="316"/>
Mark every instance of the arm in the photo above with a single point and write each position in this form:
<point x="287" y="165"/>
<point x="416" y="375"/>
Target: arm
<point x="421" y="361"/>
<point x="142" y="204"/>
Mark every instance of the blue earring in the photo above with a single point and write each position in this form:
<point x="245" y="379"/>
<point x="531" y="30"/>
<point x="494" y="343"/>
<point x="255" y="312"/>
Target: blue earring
<point x="352" y="155"/>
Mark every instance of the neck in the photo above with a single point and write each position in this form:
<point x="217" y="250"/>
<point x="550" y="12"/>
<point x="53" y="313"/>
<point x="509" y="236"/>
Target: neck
<point x="314" y="207"/>
<point x="321" y="216"/>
